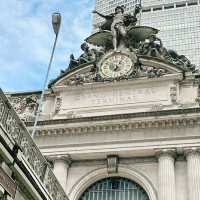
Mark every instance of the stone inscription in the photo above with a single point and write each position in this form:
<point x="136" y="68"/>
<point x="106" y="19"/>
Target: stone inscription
<point x="116" y="96"/>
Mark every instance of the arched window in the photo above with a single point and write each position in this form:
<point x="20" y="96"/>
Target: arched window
<point x="115" y="188"/>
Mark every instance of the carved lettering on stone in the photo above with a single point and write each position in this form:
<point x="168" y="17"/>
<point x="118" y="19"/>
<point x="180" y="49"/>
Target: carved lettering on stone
<point x="86" y="98"/>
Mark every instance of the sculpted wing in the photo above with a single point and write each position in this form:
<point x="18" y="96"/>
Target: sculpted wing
<point x="102" y="38"/>
<point x="140" y="33"/>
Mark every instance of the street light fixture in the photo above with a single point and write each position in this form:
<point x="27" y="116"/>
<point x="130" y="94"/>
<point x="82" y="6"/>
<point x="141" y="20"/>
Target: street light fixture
<point x="56" y="21"/>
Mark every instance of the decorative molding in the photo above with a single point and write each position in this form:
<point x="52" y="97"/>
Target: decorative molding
<point x="58" y="104"/>
<point x="25" y="105"/>
<point x="112" y="164"/>
<point x="165" y="152"/>
<point x="191" y="150"/>
<point x="173" y="94"/>
<point x="123" y="126"/>
<point x="161" y="113"/>
<point x="62" y="79"/>
<point x="79" y="79"/>
<point x="64" y="157"/>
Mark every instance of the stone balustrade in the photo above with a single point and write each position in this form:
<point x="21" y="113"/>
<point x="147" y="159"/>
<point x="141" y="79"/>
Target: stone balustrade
<point x="19" y="135"/>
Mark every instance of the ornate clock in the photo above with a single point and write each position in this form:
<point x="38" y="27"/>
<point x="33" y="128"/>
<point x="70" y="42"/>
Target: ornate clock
<point x="116" y="65"/>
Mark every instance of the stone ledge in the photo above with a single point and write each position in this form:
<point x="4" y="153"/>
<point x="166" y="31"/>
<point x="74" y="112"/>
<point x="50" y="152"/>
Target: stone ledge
<point x="121" y="126"/>
<point x="117" y="117"/>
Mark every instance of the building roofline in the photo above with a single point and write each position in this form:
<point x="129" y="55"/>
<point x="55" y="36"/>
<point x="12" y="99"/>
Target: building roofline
<point x="24" y="93"/>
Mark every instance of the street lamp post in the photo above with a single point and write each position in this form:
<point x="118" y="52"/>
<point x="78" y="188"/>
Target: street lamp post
<point x="56" y="21"/>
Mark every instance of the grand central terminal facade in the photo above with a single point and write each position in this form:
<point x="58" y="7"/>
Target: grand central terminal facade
<point x="121" y="124"/>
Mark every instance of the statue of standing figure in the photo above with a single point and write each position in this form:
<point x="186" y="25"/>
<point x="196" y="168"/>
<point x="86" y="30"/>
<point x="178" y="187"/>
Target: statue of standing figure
<point x="118" y="22"/>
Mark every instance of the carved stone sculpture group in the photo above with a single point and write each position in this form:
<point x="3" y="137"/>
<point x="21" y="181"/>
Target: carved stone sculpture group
<point x="117" y="41"/>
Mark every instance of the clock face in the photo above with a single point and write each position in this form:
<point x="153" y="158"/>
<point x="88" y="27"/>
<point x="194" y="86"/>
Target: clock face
<point x="116" y="65"/>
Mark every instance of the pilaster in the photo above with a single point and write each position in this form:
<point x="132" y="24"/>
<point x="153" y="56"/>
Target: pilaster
<point x="61" y="168"/>
<point x="193" y="172"/>
<point x="166" y="174"/>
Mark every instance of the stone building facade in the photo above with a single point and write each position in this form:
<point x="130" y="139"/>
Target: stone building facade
<point x="145" y="130"/>
<point x="122" y="123"/>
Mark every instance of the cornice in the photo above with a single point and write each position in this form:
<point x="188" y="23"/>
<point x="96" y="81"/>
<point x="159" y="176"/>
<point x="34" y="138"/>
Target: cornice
<point x="23" y="93"/>
<point x="161" y="113"/>
<point x="121" y="126"/>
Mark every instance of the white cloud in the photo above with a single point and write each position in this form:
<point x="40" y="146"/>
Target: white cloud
<point x="26" y="39"/>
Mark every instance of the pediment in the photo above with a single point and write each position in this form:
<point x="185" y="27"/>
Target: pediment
<point x="160" y="64"/>
<point x="150" y="67"/>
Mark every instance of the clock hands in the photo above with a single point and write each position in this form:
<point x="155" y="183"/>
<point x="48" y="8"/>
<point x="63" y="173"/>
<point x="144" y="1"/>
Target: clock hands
<point x="116" y="68"/>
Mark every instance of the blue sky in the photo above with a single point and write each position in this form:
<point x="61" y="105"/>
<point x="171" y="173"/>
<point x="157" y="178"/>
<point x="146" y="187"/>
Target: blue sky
<point x="26" y="39"/>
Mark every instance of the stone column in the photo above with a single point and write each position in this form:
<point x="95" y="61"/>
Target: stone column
<point x="166" y="174"/>
<point x="193" y="173"/>
<point x="61" y="168"/>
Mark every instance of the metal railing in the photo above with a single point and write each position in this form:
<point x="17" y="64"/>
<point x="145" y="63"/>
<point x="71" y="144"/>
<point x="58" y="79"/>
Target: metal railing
<point x="17" y="131"/>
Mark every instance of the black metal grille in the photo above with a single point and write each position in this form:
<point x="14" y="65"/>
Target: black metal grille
<point x="115" y="189"/>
